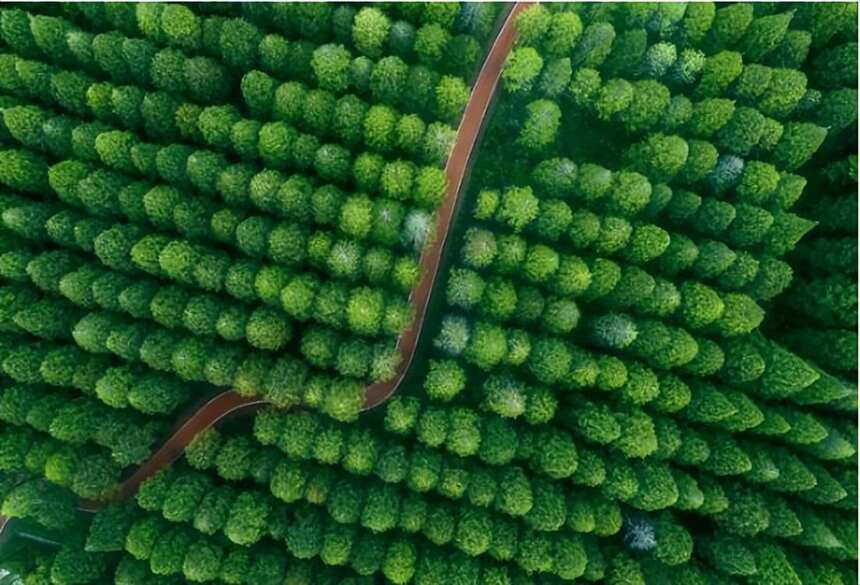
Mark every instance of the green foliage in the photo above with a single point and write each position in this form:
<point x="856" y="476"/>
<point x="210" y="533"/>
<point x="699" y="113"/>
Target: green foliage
<point x="452" y="94"/>
<point x="370" y="30"/>
<point x="522" y="69"/>
<point x="651" y="292"/>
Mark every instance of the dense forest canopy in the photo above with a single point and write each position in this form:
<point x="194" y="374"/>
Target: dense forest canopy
<point x="639" y="363"/>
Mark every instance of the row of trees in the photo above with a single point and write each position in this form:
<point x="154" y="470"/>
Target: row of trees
<point x="240" y="47"/>
<point x="81" y="420"/>
<point x="600" y="280"/>
<point x="210" y="173"/>
<point x="69" y="367"/>
<point x="87" y="284"/>
<point x="86" y="471"/>
<point x="221" y="127"/>
<point x="310" y="533"/>
<point x="318" y="23"/>
<point x="285" y="381"/>
<point x="124" y="59"/>
<point x="129" y="249"/>
<point x="289" y="243"/>
<point x="418" y="35"/>
<point x="638" y="434"/>
<point x="349" y="118"/>
<point x="742" y="227"/>
<point x="422" y="469"/>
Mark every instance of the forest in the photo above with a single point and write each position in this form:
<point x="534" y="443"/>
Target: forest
<point x="588" y="315"/>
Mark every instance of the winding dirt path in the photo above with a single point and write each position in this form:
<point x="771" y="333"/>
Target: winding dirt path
<point x="230" y="403"/>
<point x="456" y="170"/>
<point x="203" y="417"/>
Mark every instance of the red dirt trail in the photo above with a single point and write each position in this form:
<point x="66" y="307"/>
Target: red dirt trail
<point x="456" y="170"/>
<point x="230" y="403"/>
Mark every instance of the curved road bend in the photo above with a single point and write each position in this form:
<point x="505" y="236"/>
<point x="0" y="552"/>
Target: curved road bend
<point x="205" y="416"/>
<point x="229" y="403"/>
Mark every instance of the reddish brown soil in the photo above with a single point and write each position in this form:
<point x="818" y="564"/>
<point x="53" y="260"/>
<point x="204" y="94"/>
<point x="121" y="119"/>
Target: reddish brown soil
<point x="456" y="169"/>
<point x="229" y="403"/>
<point x="202" y="418"/>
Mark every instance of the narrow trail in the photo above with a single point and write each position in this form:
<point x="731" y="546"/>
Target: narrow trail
<point x="456" y="170"/>
<point x="203" y="417"/>
<point x="229" y="403"/>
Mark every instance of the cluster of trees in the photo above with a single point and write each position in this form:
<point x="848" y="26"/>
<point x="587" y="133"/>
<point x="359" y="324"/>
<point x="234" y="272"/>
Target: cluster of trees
<point x="127" y="249"/>
<point x="824" y="292"/>
<point x="742" y="229"/>
<point x="820" y="308"/>
<point x="70" y="367"/>
<point x="382" y="506"/>
<point x="195" y="43"/>
<point x="80" y="421"/>
<point x="119" y="337"/>
<point x="208" y="172"/>
<point x="329" y="534"/>
<point x="645" y="486"/>
<point x="640" y="374"/>
<point x="277" y="144"/>
<point x="357" y="40"/>
<point x="68" y="564"/>
<point x="402" y="416"/>
<point x="768" y="95"/>
<point x="779" y="488"/>
<point x="716" y="121"/>
<point x="379" y="220"/>
<point x="423" y="469"/>
<point x="87" y="284"/>
<point x="555" y="282"/>
<point x="190" y="357"/>
<point x="284" y="380"/>
<point x="87" y="471"/>
<point x="125" y="59"/>
<point x="33" y="498"/>
<point x="362" y="248"/>
<point x="316" y="86"/>
<point x="379" y="127"/>
<point x="202" y="560"/>
<point x="399" y="218"/>
<point x="183" y="497"/>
